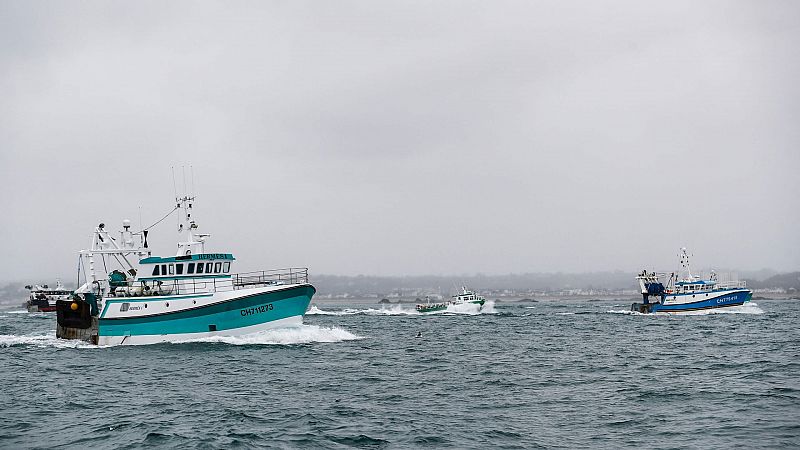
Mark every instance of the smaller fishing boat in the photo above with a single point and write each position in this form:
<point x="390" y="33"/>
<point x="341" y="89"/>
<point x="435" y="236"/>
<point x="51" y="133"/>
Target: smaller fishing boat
<point x="681" y="294"/>
<point x="43" y="298"/>
<point x="465" y="297"/>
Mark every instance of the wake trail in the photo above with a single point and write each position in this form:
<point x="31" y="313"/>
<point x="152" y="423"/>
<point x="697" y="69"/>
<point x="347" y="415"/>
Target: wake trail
<point x="301" y="334"/>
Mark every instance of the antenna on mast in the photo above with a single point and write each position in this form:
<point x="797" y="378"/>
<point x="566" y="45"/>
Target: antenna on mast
<point x="185" y="191"/>
<point x="174" y="188"/>
<point x="191" y="171"/>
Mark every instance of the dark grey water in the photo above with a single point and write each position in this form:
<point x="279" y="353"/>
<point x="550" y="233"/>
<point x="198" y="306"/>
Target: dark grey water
<point x="549" y="375"/>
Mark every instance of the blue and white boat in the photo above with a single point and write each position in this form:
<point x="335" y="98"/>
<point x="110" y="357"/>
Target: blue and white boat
<point x="194" y="294"/>
<point x="684" y="294"/>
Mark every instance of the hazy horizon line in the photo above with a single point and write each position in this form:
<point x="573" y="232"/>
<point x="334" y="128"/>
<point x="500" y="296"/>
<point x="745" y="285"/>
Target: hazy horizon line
<point x="467" y="275"/>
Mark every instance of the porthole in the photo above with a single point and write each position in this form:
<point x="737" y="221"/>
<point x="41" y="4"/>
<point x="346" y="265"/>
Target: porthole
<point x="194" y="302"/>
<point x="145" y="305"/>
<point x="167" y="304"/>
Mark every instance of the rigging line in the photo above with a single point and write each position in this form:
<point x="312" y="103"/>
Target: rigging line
<point x="159" y="220"/>
<point x="118" y="261"/>
<point x="84" y="272"/>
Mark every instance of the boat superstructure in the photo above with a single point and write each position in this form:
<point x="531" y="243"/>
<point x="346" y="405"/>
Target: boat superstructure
<point x="681" y="291"/>
<point x="193" y="294"/>
<point x="464" y="297"/>
<point x="43" y="298"/>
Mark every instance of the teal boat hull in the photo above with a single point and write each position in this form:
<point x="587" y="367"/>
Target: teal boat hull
<point x="248" y="313"/>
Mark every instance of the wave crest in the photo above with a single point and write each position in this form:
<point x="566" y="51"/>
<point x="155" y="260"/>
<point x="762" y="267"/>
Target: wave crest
<point x="301" y="334"/>
<point x="42" y="341"/>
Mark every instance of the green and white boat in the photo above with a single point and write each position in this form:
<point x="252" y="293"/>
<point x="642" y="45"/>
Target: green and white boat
<point x="194" y="294"/>
<point x="465" y="297"/>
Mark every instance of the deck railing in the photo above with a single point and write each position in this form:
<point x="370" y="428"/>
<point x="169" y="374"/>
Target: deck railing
<point x="292" y="275"/>
<point x="730" y="285"/>
<point x="194" y="285"/>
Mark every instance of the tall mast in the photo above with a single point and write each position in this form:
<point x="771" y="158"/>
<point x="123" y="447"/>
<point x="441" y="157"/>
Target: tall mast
<point x="189" y="240"/>
<point x="685" y="262"/>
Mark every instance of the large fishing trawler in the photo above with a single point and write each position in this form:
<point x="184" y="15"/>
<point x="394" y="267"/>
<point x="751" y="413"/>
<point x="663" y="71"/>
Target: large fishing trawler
<point x="194" y="294"/>
<point x="687" y="293"/>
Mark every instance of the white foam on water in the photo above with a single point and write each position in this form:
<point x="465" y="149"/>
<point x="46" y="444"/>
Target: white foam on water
<point x="42" y="341"/>
<point x="530" y="307"/>
<point x="315" y="311"/>
<point x="626" y="311"/>
<point x="301" y="334"/>
<point x="747" y="308"/>
<point x="400" y="310"/>
<point x="396" y="310"/>
<point x="488" y="307"/>
<point x="21" y="311"/>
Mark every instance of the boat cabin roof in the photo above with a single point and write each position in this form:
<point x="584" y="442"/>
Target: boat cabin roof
<point x="201" y="265"/>
<point x="681" y="283"/>
<point x="199" y="256"/>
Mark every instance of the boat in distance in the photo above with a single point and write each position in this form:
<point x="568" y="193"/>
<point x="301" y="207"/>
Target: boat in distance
<point x="194" y="294"/>
<point x="687" y="294"/>
<point x="43" y="298"/>
<point x="465" y="297"/>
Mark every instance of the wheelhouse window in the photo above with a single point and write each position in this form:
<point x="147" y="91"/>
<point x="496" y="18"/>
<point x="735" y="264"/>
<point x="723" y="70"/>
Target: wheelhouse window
<point x="163" y="269"/>
<point x="172" y="269"/>
<point x="156" y="271"/>
<point x="226" y="267"/>
<point x="217" y="267"/>
<point x="190" y="269"/>
<point x="209" y="267"/>
<point x="178" y="269"/>
<point x="199" y="267"/>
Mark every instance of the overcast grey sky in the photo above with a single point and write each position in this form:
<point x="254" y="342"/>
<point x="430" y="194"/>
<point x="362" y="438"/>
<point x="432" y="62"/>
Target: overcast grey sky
<point x="429" y="137"/>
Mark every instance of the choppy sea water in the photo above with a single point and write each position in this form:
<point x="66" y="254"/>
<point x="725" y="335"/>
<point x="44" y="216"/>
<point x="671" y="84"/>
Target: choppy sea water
<point x="524" y="375"/>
